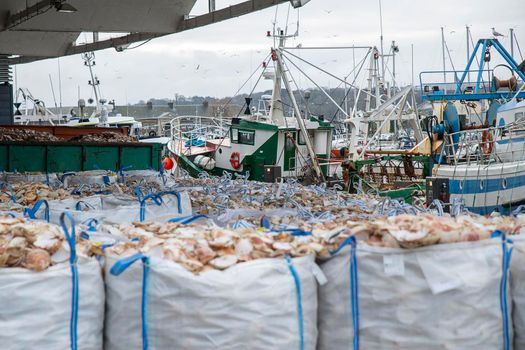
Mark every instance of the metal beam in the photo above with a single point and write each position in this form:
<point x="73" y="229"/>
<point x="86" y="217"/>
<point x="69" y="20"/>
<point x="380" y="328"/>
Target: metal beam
<point x="30" y="12"/>
<point x="237" y="10"/>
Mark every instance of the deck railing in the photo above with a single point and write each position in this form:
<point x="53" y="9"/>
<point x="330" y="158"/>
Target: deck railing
<point x="479" y="145"/>
<point x="185" y="128"/>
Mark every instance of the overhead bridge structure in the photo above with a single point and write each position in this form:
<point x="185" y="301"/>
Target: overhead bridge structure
<point x="32" y="30"/>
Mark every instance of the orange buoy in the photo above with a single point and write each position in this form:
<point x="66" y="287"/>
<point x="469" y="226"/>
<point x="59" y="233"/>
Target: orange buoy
<point x="168" y="163"/>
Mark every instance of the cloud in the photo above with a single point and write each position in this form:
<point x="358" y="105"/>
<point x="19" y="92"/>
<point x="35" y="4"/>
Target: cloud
<point x="229" y="52"/>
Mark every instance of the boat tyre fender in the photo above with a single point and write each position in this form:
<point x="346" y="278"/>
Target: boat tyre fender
<point x="487" y="142"/>
<point x="235" y="160"/>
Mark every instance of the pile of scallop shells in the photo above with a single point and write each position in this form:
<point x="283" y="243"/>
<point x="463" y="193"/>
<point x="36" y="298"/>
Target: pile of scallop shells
<point x="200" y="248"/>
<point x="26" y="135"/>
<point x="412" y="231"/>
<point x="104" y="137"/>
<point x="212" y="196"/>
<point x="27" y="194"/>
<point x="34" y="245"/>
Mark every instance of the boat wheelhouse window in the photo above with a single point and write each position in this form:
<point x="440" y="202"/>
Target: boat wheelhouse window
<point x="235" y="135"/>
<point x="245" y="137"/>
<point x="301" y="140"/>
<point x="518" y="116"/>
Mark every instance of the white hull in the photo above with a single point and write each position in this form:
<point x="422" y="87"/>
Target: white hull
<point x="485" y="188"/>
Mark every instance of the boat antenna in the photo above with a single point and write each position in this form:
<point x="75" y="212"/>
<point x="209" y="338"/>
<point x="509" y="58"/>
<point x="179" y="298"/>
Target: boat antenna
<point x="412" y="62"/>
<point x="381" y="37"/>
<point x="443" y="52"/>
<point x="287" y="19"/>
<point x="59" y="85"/>
<point x="468" y="49"/>
<point x="298" y="20"/>
<point x="53" y="90"/>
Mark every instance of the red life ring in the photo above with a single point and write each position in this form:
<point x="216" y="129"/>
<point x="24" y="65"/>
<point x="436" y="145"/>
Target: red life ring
<point x="235" y="160"/>
<point x="487" y="142"/>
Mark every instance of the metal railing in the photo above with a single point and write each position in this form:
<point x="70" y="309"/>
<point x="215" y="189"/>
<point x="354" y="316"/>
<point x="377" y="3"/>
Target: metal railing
<point x="186" y="128"/>
<point x="481" y="146"/>
<point x="448" y="82"/>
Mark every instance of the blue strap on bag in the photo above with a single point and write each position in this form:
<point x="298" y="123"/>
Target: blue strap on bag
<point x="121" y="266"/>
<point x="300" y="318"/>
<point x="78" y="205"/>
<point x="71" y="240"/>
<point x="31" y="212"/>
<point x="157" y="199"/>
<point x="354" y="290"/>
<point x="505" y="265"/>
<point x="184" y="220"/>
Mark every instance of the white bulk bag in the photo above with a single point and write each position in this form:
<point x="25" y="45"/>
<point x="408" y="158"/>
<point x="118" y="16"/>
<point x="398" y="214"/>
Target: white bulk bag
<point x="437" y="297"/>
<point x="50" y="179"/>
<point x="36" y="307"/>
<point x="149" y="208"/>
<point x="517" y="288"/>
<point x="80" y="209"/>
<point x="252" y="305"/>
<point x="133" y="176"/>
<point x="91" y="177"/>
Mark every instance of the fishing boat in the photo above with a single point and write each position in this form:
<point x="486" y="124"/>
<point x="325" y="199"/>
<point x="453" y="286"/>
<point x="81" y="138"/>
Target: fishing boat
<point x="479" y="166"/>
<point x="31" y="110"/>
<point x="263" y="143"/>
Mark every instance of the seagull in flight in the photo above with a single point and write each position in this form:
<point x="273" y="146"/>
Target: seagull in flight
<point x="495" y="33"/>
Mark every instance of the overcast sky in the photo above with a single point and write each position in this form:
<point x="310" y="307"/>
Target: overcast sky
<point x="216" y="60"/>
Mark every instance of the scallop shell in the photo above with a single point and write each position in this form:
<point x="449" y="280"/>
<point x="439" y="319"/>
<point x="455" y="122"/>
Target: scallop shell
<point x="205" y="254"/>
<point x="37" y="259"/>
<point x="48" y="242"/>
<point x="191" y="265"/>
<point x="283" y="246"/>
<point x="223" y="262"/>
<point x="243" y="249"/>
<point x="17" y="243"/>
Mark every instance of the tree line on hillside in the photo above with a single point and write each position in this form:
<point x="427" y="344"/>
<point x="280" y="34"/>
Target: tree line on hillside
<point x="315" y="103"/>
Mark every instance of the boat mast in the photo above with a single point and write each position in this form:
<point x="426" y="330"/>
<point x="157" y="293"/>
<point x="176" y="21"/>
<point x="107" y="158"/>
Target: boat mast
<point x="89" y="61"/>
<point x="511" y="42"/>
<point x="297" y="113"/>
<point x="443" y="51"/>
<point x="277" y="110"/>
<point x="381" y="37"/>
<point x="468" y="50"/>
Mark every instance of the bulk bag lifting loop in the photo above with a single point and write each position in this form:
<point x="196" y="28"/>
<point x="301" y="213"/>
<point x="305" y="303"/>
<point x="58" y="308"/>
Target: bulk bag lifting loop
<point x="71" y="240"/>
<point x="31" y="212"/>
<point x="354" y="292"/>
<point x="157" y="199"/>
<point x="121" y="266"/>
